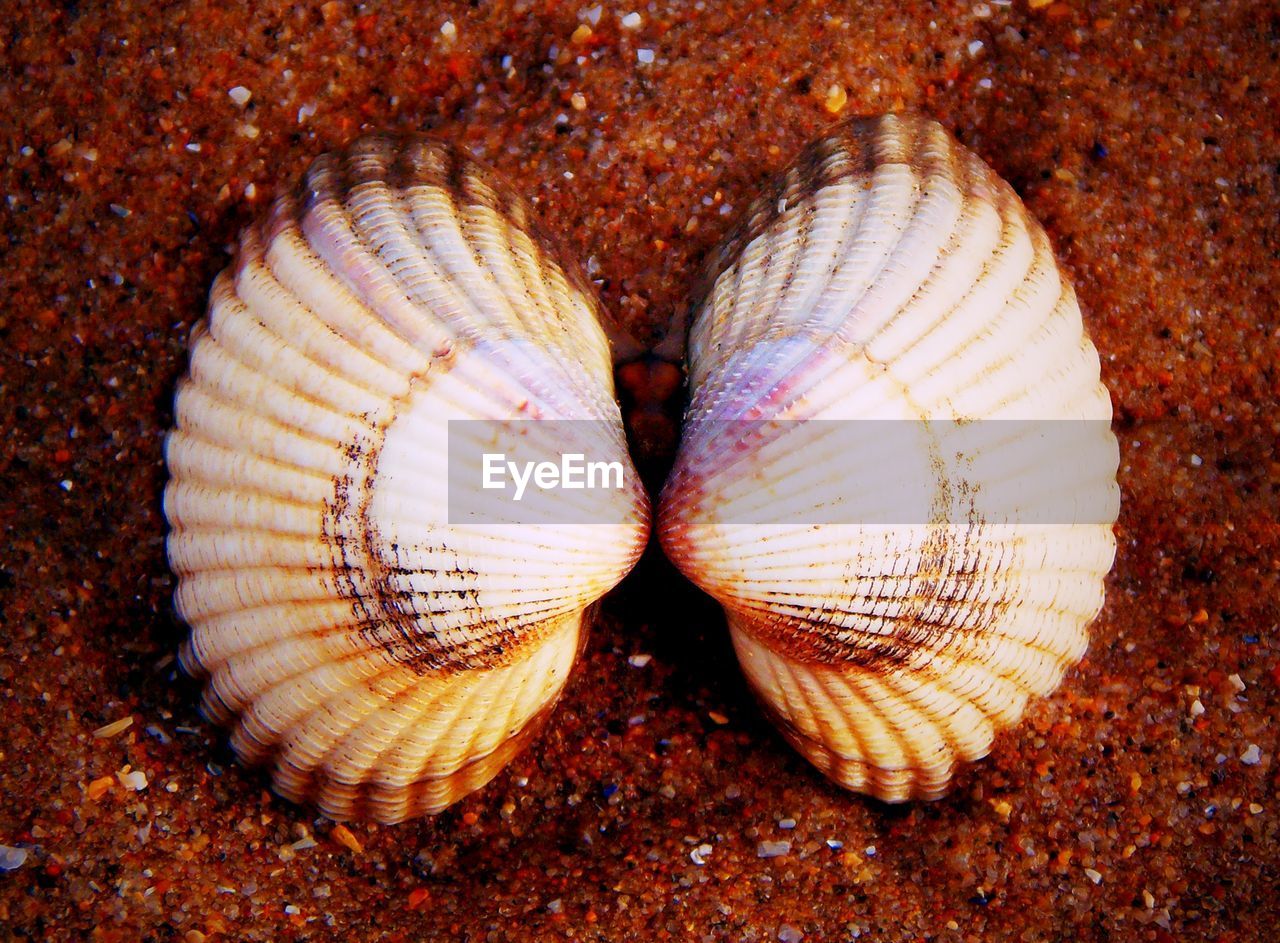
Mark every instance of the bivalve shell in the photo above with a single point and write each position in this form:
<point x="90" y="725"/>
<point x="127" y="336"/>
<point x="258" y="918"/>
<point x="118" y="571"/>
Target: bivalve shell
<point x="897" y="473"/>
<point x="383" y="657"/>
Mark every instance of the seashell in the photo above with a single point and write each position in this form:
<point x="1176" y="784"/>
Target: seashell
<point x="383" y="658"/>
<point x="889" y="323"/>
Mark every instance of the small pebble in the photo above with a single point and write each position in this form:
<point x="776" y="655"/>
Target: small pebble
<point x="343" y="836"/>
<point x="789" y="934"/>
<point x="134" y="779"/>
<point x="1252" y="756"/>
<point x="773" y="849"/>
<point x="12" y="858"/>
<point x="699" y="855"/>
<point x="448" y="30"/>
<point x="644" y="55"/>
<point x="113" y="728"/>
<point x="578" y="101"/>
<point x="555" y="906"/>
<point x="1093" y="875"/>
<point x="240" y="95"/>
<point x="639" y="661"/>
<point x="836" y="99"/>
<point x="631" y="21"/>
<point x="787" y="823"/>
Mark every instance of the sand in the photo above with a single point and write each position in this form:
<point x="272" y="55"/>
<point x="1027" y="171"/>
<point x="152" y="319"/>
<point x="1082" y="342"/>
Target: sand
<point x="1137" y="803"/>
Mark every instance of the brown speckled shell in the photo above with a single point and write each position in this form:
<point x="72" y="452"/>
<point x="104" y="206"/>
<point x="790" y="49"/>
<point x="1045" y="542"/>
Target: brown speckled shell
<point x="889" y="276"/>
<point x="382" y="659"/>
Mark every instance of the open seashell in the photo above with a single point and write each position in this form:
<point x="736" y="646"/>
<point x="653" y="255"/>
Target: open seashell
<point x="897" y="473"/>
<point x="385" y="658"/>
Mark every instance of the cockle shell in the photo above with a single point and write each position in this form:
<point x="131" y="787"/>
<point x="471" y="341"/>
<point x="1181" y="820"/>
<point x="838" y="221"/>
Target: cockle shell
<point x="384" y="660"/>
<point x="891" y="283"/>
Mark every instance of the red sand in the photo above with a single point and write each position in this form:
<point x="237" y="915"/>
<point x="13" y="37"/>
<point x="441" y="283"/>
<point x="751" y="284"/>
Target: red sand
<point x="1127" y="806"/>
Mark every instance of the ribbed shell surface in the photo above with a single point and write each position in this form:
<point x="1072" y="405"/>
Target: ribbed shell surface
<point x="889" y="276"/>
<point x="383" y="660"/>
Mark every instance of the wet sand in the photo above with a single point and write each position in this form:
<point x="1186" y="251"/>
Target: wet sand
<point x="1137" y="803"/>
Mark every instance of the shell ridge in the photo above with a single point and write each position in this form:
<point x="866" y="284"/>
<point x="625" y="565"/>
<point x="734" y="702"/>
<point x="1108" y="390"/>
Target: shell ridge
<point x="254" y="344"/>
<point x="970" y="730"/>
<point x="534" y="316"/>
<point x="1010" y="335"/>
<point x="981" y="293"/>
<point x="430" y="220"/>
<point x="214" y="644"/>
<point x="522" y="713"/>
<point x="855" y="646"/>
<point x="212" y="463"/>
<point x="305" y="737"/>
<point x="297" y="689"/>
<point x="935" y="189"/>
<point x="263" y="433"/>
<point x="998" y="697"/>
<point x="267" y="675"/>
<point x="363" y="767"/>
<point x="908" y="723"/>
<point x="886" y="753"/>
<point x="296" y="276"/>
<point x="357" y="265"/>
<point x="792" y="692"/>
<point x="214" y="367"/>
